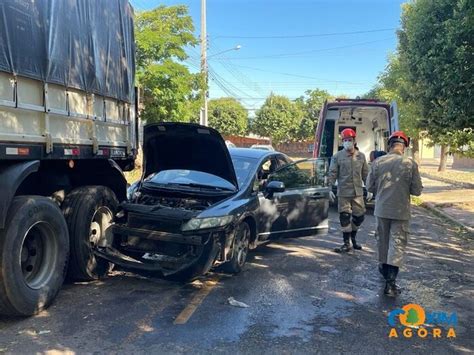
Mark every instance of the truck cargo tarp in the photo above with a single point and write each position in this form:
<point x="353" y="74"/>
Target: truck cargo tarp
<point x="81" y="44"/>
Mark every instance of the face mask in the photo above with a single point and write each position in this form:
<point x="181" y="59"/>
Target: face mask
<point x="348" y="145"/>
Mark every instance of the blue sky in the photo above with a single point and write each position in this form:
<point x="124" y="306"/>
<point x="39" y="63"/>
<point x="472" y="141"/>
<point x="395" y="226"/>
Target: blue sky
<point x="302" y="48"/>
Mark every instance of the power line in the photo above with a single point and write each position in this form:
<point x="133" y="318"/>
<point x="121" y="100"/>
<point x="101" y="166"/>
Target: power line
<point x="296" y="75"/>
<point x="302" y="53"/>
<point x="309" y="35"/>
<point x="227" y="84"/>
<point x="241" y="77"/>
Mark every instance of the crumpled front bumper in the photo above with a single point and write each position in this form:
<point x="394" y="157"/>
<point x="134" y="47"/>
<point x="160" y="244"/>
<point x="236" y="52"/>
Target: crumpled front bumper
<point x="204" y="246"/>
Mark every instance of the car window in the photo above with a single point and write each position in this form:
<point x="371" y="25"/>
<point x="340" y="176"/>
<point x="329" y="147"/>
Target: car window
<point x="282" y="161"/>
<point x="303" y="174"/>
<point x="268" y="166"/>
<point x="243" y="168"/>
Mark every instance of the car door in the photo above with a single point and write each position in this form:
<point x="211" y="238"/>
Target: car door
<point x="272" y="212"/>
<point x="306" y="198"/>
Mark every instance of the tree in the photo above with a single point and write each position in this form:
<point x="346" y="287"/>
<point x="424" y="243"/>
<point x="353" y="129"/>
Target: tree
<point x="393" y="85"/>
<point x="170" y="91"/>
<point x="310" y="103"/>
<point x="162" y="33"/>
<point x="279" y="118"/>
<point x="228" y="116"/>
<point x="435" y="45"/>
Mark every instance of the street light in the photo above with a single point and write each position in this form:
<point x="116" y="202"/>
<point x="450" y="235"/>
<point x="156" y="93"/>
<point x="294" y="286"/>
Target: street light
<point x="203" y="118"/>
<point x="236" y="48"/>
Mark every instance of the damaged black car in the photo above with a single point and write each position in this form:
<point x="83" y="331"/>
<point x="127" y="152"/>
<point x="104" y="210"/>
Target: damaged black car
<point x="201" y="205"/>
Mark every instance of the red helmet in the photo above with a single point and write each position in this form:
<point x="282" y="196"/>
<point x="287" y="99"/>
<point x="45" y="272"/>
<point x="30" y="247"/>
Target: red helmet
<point x="399" y="136"/>
<point x="348" y="133"/>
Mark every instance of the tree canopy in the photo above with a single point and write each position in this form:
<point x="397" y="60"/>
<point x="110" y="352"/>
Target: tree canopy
<point x="279" y="118"/>
<point x="170" y="90"/>
<point x="228" y="116"/>
<point x="393" y="85"/>
<point x="435" y="47"/>
<point x="310" y="103"/>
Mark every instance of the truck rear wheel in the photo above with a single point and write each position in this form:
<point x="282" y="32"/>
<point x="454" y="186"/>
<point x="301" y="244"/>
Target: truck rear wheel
<point x="89" y="211"/>
<point x="34" y="249"/>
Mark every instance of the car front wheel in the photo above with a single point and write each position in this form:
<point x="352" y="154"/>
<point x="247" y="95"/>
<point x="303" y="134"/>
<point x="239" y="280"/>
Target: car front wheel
<point x="240" y="249"/>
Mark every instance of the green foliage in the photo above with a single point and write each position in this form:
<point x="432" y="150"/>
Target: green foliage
<point x="228" y="116"/>
<point x="170" y="91"/>
<point x="311" y="104"/>
<point x="162" y="33"/>
<point x="461" y="142"/>
<point x="279" y="118"/>
<point x="435" y="46"/>
<point x="394" y="86"/>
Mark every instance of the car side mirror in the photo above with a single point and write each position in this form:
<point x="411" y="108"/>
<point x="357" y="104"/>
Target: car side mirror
<point x="272" y="187"/>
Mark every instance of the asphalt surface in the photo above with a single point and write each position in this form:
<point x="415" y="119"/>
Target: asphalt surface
<point x="301" y="296"/>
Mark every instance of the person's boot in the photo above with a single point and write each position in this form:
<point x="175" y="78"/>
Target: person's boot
<point x="391" y="288"/>
<point x="383" y="270"/>
<point x="344" y="248"/>
<point x="354" y="242"/>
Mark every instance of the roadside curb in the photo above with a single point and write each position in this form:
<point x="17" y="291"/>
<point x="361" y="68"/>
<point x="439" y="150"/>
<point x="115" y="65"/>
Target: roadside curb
<point x="431" y="207"/>
<point x="465" y="185"/>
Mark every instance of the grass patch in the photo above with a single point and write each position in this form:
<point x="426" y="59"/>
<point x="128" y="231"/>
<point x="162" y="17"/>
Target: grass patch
<point x="417" y="201"/>
<point x="453" y="175"/>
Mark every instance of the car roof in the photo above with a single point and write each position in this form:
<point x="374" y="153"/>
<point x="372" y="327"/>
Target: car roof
<point x="251" y="153"/>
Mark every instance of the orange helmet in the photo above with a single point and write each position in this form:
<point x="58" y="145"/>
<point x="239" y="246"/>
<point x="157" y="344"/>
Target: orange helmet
<point x="348" y="133"/>
<point x="399" y="136"/>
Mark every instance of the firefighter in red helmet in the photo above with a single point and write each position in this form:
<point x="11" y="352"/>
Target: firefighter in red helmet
<point x="349" y="167"/>
<point x="393" y="178"/>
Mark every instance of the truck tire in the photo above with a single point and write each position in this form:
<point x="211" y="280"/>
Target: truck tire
<point x="89" y="210"/>
<point x="34" y="248"/>
<point x="240" y="250"/>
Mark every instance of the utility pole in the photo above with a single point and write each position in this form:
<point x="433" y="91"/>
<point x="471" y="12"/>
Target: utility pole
<point x="203" y="116"/>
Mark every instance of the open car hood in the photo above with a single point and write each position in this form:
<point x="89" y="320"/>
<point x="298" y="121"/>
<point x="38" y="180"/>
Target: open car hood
<point x="186" y="146"/>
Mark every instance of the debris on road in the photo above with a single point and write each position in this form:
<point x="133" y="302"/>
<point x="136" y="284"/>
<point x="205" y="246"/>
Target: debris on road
<point x="235" y="303"/>
<point x="34" y="332"/>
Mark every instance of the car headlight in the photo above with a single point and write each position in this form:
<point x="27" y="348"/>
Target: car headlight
<point x="204" y="223"/>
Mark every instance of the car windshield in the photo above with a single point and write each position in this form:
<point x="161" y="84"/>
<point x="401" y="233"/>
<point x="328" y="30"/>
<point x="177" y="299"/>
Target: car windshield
<point x="243" y="167"/>
<point x="189" y="178"/>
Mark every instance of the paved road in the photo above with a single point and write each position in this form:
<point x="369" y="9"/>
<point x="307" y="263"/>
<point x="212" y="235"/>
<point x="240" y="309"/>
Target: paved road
<point x="302" y="298"/>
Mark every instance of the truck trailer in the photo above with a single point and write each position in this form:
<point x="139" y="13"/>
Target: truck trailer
<point x="68" y="130"/>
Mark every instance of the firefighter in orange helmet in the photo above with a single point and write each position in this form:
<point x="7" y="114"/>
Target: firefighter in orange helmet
<point x="349" y="167"/>
<point x="393" y="178"/>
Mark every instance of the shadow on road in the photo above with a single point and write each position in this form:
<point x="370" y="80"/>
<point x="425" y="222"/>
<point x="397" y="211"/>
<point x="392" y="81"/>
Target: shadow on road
<point x="301" y="296"/>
